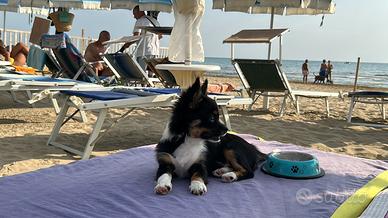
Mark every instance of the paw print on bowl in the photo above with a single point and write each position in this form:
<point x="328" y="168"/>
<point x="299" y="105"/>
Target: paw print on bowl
<point x="270" y="164"/>
<point x="294" y="169"/>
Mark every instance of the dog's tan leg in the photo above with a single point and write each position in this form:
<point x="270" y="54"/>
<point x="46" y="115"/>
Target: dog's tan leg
<point x="198" y="179"/>
<point x="238" y="170"/>
<point x="164" y="173"/>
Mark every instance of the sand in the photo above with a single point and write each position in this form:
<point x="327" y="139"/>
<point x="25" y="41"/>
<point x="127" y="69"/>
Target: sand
<point x="24" y="131"/>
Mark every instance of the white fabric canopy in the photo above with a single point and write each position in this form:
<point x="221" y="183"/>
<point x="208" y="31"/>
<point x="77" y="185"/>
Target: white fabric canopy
<point x="186" y="32"/>
<point x="280" y="7"/>
<point x="144" y="5"/>
<point x="14" y="6"/>
<point x="74" y="4"/>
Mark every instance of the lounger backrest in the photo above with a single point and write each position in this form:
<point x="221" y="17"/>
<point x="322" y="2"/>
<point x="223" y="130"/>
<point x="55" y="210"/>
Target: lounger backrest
<point x="164" y="76"/>
<point x="123" y="65"/>
<point x="71" y="61"/>
<point x="260" y="75"/>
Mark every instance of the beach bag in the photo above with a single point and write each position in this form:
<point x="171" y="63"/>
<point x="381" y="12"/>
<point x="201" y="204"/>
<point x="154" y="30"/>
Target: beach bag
<point x="62" y="20"/>
<point x="53" y="41"/>
<point x="36" y="57"/>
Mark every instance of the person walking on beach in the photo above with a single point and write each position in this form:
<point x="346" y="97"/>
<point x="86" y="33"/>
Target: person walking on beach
<point x="329" y="70"/>
<point x="305" y="71"/>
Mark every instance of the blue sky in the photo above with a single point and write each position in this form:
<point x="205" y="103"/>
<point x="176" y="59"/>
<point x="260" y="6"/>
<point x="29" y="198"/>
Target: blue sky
<point x="358" y="28"/>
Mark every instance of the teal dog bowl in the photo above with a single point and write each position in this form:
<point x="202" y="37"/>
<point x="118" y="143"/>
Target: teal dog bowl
<point x="292" y="165"/>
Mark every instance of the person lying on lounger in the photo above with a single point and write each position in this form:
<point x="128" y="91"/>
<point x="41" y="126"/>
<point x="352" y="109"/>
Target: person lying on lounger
<point x="18" y="55"/>
<point x="93" y="51"/>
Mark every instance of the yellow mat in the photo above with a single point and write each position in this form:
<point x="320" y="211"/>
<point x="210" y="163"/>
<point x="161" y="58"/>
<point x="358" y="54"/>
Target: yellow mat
<point x="359" y="201"/>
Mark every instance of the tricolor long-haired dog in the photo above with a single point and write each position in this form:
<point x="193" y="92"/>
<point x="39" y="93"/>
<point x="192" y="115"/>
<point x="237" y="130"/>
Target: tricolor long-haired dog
<point x="195" y="143"/>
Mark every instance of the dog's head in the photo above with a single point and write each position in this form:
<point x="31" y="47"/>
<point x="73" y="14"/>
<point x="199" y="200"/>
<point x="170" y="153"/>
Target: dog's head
<point x="196" y="115"/>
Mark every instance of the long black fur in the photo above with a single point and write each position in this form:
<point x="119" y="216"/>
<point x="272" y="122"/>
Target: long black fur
<point x="194" y="106"/>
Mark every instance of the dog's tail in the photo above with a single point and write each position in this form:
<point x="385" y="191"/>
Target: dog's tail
<point x="261" y="157"/>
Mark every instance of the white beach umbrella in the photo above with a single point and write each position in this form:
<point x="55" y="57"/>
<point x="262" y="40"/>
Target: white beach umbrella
<point x="186" y="32"/>
<point x="14" y="6"/>
<point x="73" y="4"/>
<point x="144" y="5"/>
<point x="279" y="7"/>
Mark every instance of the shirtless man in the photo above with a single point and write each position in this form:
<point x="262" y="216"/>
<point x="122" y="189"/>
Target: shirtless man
<point x="93" y="51"/>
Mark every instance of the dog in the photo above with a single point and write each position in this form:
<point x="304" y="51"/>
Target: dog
<point x="319" y="79"/>
<point x="195" y="144"/>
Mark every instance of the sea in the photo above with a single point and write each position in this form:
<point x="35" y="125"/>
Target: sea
<point x="370" y="74"/>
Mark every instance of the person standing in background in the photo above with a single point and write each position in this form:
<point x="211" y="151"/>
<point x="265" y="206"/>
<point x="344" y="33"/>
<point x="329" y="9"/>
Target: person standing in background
<point x="149" y="47"/>
<point x="305" y="70"/>
<point x="329" y="71"/>
<point x="323" y="69"/>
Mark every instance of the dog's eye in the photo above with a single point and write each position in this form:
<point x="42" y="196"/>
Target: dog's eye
<point x="212" y="119"/>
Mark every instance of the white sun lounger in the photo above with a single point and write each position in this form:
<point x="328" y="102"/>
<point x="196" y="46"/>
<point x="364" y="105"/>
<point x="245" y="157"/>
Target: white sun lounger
<point x="368" y="97"/>
<point x="122" y="97"/>
<point x="103" y="100"/>
<point x="45" y="86"/>
<point x="265" y="78"/>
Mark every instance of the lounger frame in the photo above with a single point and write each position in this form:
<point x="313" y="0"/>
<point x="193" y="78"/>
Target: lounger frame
<point x="283" y="90"/>
<point x="379" y="100"/>
<point x="102" y="107"/>
<point x="119" y="74"/>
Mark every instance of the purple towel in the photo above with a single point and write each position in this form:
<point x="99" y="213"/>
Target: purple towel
<point x="121" y="185"/>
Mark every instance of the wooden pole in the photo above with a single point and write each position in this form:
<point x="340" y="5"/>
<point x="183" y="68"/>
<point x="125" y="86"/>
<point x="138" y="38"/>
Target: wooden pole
<point x="4" y="19"/>
<point x="357" y="70"/>
<point x="83" y="39"/>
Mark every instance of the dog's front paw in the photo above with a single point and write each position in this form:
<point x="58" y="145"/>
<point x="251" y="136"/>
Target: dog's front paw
<point x="221" y="171"/>
<point x="163" y="185"/>
<point x="162" y="190"/>
<point x="197" y="187"/>
<point x="229" y="177"/>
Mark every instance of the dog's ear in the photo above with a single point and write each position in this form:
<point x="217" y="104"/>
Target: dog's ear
<point x="204" y="88"/>
<point x="197" y="97"/>
<point x="196" y="92"/>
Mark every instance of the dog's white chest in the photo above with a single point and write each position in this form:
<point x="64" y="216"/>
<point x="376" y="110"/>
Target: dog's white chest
<point x="187" y="154"/>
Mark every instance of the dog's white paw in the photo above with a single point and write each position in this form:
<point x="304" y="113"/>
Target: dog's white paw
<point x="221" y="171"/>
<point x="163" y="185"/>
<point x="197" y="187"/>
<point x="229" y="177"/>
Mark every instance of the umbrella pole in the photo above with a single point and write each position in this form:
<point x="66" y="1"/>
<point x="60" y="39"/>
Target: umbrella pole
<point x="4" y="18"/>
<point x="271" y="27"/>
<point x="266" y="98"/>
<point x="356" y="78"/>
